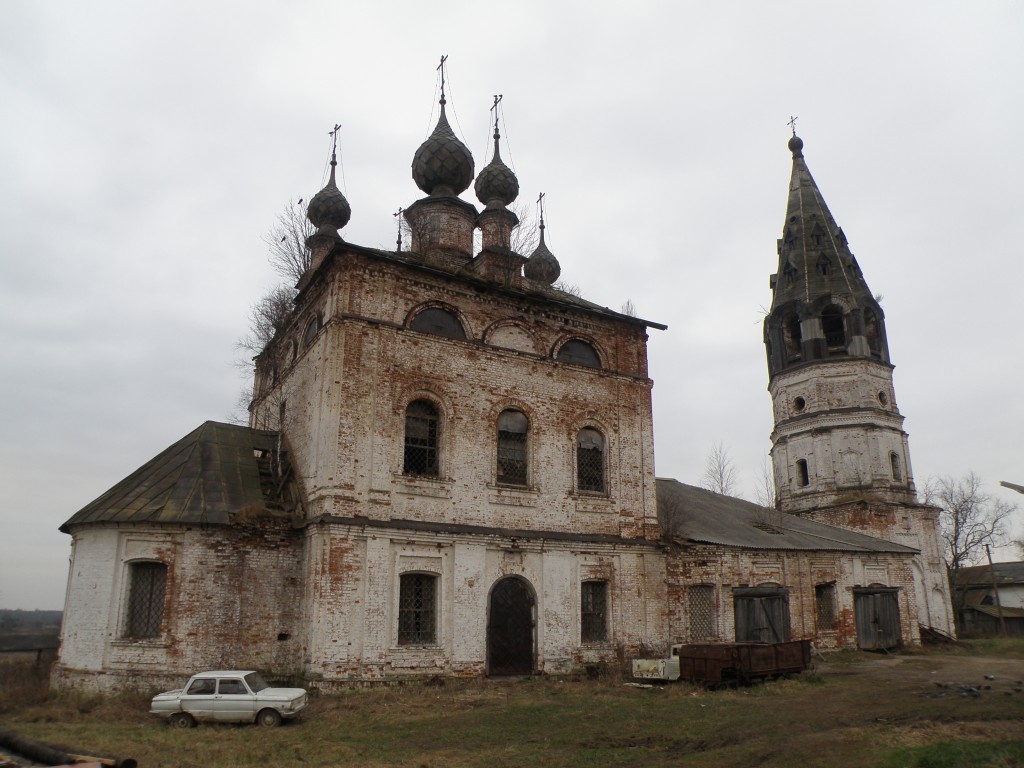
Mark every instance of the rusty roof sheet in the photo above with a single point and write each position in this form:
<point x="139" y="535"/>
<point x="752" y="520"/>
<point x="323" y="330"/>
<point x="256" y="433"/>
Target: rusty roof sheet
<point x="201" y="479"/>
<point x="704" y="517"/>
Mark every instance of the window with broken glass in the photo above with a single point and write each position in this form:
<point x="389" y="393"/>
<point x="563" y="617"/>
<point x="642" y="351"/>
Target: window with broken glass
<point x="147" y="584"/>
<point x="594" y="611"/>
<point x="417" y="609"/>
<point x="421" y="433"/>
<point x="590" y="461"/>
<point x="512" y="431"/>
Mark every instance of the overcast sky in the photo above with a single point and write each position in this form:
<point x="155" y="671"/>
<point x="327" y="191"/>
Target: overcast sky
<point x="147" y="148"/>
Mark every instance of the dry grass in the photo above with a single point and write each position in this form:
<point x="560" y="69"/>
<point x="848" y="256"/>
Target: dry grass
<point x="853" y="710"/>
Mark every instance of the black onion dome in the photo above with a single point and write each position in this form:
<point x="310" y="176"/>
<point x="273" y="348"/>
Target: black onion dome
<point x="796" y="146"/>
<point x="328" y="209"/>
<point x="496" y="184"/>
<point x="442" y="164"/>
<point x="542" y="265"/>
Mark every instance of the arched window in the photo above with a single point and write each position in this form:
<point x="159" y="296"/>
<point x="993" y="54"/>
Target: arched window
<point x="791" y="336"/>
<point x="894" y="467"/>
<point x="871" y="332"/>
<point x="311" y="330"/>
<point x="417" y="609"/>
<point x="512" y="447"/>
<point x="803" y="477"/>
<point x="421" y="439"/>
<point x="833" y="326"/>
<point x="590" y="461"/>
<point x="147" y="584"/>
<point x="439" y="322"/>
<point x="579" y="352"/>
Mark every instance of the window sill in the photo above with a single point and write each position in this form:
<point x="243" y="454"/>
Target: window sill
<point x="513" y="495"/>
<point x="419" y="485"/>
<point x="594" y="503"/>
<point x="146" y="642"/>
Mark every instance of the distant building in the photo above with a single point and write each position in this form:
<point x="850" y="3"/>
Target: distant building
<point x="449" y="470"/>
<point x="991" y="598"/>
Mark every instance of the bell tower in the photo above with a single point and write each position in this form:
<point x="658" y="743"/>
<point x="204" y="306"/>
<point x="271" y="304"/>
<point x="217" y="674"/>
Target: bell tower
<point x="838" y="433"/>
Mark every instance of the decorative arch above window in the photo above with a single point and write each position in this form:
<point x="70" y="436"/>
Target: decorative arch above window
<point x="439" y="322"/>
<point x="579" y="352"/>
<point x="513" y="429"/>
<point x="590" y="461"/>
<point x="422" y="432"/>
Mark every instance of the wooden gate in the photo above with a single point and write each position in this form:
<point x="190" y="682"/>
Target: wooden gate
<point x="876" y="610"/>
<point x="762" y="614"/>
<point x="510" y="628"/>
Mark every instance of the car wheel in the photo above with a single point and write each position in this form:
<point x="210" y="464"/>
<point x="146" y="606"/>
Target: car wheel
<point x="182" y="720"/>
<point x="269" y="718"/>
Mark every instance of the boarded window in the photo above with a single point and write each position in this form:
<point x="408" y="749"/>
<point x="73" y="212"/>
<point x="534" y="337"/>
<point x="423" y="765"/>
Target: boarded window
<point x="825" y="606"/>
<point x="590" y="461"/>
<point x="439" y="322"/>
<point x="579" y="352"/>
<point x="700" y="611"/>
<point x="421" y="432"/>
<point x="512" y="447"/>
<point x="417" y="609"/>
<point x="147" y="584"/>
<point x="594" y="611"/>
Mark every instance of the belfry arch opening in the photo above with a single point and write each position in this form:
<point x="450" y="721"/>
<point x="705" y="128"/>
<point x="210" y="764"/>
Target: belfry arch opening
<point x="792" y="336"/>
<point x="834" y="328"/>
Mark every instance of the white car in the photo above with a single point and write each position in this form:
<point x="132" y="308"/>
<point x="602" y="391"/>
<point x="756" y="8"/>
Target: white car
<point x="229" y="696"/>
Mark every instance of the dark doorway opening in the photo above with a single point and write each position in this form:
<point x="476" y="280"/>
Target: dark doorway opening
<point x="510" y="628"/>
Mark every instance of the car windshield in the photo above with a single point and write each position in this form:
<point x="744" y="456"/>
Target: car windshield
<point x="256" y="682"/>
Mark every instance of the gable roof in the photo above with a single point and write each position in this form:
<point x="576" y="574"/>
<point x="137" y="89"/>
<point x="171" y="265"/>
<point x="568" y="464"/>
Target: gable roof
<point x="703" y="517"/>
<point x="203" y="478"/>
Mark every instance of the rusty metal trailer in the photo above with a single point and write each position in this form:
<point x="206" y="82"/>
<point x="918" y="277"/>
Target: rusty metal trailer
<point x="722" y="663"/>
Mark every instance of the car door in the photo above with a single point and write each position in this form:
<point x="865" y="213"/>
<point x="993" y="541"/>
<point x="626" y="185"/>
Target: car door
<point x="198" y="699"/>
<point x="234" y="703"/>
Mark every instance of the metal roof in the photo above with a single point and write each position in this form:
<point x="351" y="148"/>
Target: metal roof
<point x="203" y="478"/>
<point x="704" y="517"/>
<point x="981" y="575"/>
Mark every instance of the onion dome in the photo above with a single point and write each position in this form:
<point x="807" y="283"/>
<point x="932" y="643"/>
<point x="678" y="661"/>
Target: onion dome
<point x="442" y="165"/>
<point x="542" y="265"/>
<point x="328" y="210"/>
<point x="497" y="185"/>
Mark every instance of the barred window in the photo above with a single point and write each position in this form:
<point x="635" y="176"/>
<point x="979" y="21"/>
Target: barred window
<point x="594" y="611"/>
<point x="417" y="609"/>
<point x="147" y="583"/>
<point x="421" y="432"/>
<point x="512" y="431"/>
<point x="590" y="460"/>
<point x="700" y="611"/>
<point x="825" y="605"/>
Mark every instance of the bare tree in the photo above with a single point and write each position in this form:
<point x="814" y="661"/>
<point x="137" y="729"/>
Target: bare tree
<point x="764" y="494"/>
<point x="720" y="472"/>
<point x="286" y="241"/>
<point x="969" y="520"/>
<point x="266" y="317"/>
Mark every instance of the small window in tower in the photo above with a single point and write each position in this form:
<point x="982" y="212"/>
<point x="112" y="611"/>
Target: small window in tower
<point x="439" y="322"/>
<point x="802" y="475"/>
<point x="883" y="398"/>
<point x="871" y="333"/>
<point x="579" y="352"/>
<point x="512" y="432"/>
<point x="824" y="265"/>
<point x="894" y="466"/>
<point x="833" y="324"/>
<point x="799" y="403"/>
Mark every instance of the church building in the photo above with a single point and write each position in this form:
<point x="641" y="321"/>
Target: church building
<point x="449" y="469"/>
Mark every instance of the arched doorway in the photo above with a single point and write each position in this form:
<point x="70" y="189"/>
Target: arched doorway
<point x="510" y="626"/>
